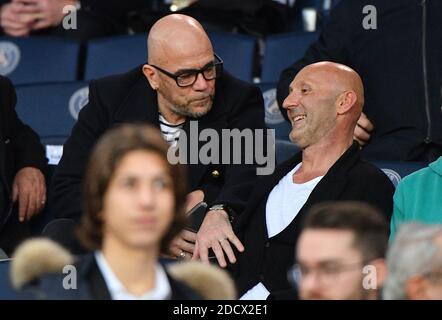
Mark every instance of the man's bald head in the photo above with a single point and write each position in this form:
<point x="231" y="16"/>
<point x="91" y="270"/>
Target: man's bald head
<point x="340" y="78"/>
<point x="176" y="34"/>
<point x="325" y="101"/>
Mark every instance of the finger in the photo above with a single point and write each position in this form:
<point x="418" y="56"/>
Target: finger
<point x="203" y="253"/>
<point x="189" y="236"/>
<point x="185" y="246"/>
<point x="225" y="244"/>
<point x="196" y="254"/>
<point x="361" y="134"/>
<point x="233" y="239"/>
<point x="23" y="201"/>
<point x="365" y="123"/>
<point x="219" y="253"/>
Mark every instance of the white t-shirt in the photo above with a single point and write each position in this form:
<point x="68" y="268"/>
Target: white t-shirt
<point x="160" y="291"/>
<point x="283" y="205"/>
<point x="285" y="201"/>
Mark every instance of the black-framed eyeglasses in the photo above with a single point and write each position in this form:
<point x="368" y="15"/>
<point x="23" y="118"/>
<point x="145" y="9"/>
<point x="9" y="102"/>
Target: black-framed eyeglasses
<point x="187" y="77"/>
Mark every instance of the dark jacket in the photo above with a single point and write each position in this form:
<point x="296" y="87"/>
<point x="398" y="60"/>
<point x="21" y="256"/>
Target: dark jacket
<point x="19" y="147"/>
<point x="266" y="259"/>
<point x="129" y="98"/>
<point x="400" y="66"/>
<point x="90" y="285"/>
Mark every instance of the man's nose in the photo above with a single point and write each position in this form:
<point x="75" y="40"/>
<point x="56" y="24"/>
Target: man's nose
<point x="291" y="101"/>
<point x="200" y="83"/>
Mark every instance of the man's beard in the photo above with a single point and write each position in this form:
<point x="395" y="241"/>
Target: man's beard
<point x="186" y="110"/>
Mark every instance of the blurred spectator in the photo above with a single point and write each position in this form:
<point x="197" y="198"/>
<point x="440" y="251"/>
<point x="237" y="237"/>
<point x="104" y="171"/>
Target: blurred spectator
<point x="341" y="252"/>
<point x="22" y="167"/>
<point x="414" y="262"/>
<point x="418" y="197"/>
<point x="132" y="211"/>
<point x="254" y="17"/>
<point x="396" y="49"/>
<point x="324" y="104"/>
<point x="94" y="18"/>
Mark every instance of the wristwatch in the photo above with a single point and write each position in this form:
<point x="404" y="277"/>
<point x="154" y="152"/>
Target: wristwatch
<point x="227" y="209"/>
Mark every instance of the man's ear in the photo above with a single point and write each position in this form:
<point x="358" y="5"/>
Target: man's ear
<point x="415" y="288"/>
<point x="345" y="101"/>
<point x="151" y="76"/>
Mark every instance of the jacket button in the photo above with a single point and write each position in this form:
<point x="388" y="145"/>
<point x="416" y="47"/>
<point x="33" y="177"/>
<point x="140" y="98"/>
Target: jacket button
<point x="267" y="244"/>
<point x="215" y="173"/>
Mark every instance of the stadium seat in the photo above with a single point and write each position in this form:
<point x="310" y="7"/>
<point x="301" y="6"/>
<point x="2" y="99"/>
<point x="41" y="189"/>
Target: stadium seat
<point x="282" y="51"/>
<point x="237" y="52"/>
<point x="397" y="170"/>
<point x="51" y="110"/>
<point x="24" y="61"/>
<point x="273" y="117"/>
<point x="113" y="55"/>
<point x="6" y="290"/>
<point x="284" y="150"/>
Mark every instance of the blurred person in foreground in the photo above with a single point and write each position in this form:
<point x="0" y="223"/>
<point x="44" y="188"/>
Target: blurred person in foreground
<point x="414" y="262"/>
<point x="134" y="206"/>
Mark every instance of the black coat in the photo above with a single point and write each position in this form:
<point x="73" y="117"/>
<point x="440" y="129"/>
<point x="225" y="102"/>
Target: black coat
<point x="19" y="147"/>
<point x="390" y="61"/>
<point x="129" y="98"/>
<point x="266" y="259"/>
<point x="90" y="285"/>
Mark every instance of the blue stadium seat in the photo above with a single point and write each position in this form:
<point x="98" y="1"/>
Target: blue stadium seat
<point x="51" y="110"/>
<point x="284" y="150"/>
<point x="273" y="117"/>
<point x="397" y="170"/>
<point x="6" y="290"/>
<point x="24" y="61"/>
<point x="283" y="50"/>
<point x="237" y="52"/>
<point x="115" y="55"/>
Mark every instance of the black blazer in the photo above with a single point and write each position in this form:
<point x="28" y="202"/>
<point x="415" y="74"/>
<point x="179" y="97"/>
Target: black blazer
<point x="267" y="259"/>
<point x="90" y="285"/>
<point x="19" y="147"/>
<point x="129" y="98"/>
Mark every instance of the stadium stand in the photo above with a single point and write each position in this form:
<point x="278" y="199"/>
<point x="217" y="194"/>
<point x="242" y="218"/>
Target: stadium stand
<point x="39" y="59"/>
<point x="51" y="110"/>
<point x="282" y="50"/>
<point x="273" y="117"/>
<point x="114" y="55"/>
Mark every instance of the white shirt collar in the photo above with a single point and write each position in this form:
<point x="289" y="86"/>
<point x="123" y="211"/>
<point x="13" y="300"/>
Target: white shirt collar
<point x="160" y="291"/>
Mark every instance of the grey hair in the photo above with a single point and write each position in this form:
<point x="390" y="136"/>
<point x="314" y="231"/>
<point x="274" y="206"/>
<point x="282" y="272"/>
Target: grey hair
<point x="412" y="252"/>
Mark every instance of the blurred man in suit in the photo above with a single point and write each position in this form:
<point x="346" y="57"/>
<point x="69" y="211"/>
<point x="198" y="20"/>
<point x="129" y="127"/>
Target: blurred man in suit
<point x="22" y="167"/>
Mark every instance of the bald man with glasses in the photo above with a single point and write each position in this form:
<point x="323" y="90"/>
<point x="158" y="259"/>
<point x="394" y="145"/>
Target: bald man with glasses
<point x="182" y="81"/>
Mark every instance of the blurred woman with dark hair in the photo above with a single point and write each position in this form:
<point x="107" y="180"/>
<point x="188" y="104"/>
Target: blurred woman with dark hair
<point x="133" y="207"/>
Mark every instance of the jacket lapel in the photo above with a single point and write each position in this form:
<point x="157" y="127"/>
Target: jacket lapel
<point x="140" y="105"/>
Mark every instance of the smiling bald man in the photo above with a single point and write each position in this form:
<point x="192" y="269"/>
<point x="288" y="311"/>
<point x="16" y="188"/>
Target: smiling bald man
<point x="324" y="104"/>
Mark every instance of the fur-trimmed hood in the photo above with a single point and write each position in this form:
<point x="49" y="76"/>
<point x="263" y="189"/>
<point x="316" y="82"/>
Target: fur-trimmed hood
<point x="38" y="257"/>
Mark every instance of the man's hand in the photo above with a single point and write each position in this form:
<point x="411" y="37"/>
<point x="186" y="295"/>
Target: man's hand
<point x="363" y="129"/>
<point x="29" y="188"/>
<point x="47" y="13"/>
<point x="14" y="21"/>
<point x="216" y="233"/>
<point x="183" y="245"/>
